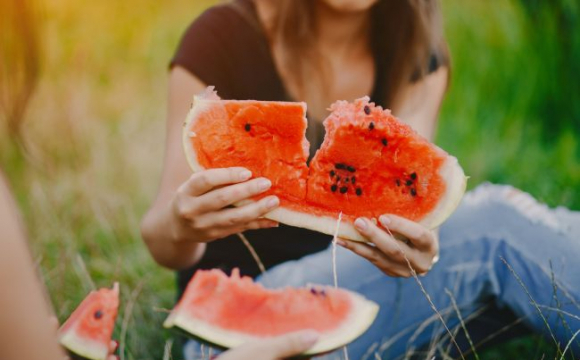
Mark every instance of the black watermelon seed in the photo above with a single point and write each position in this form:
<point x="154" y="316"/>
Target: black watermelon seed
<point x="343" y="189"/>
<point x="359" y="191"/>
<point x="333" y="188"/>
<point x="340" y="166"/>
<point x="313" y="291"/>
<point x="384" y="141"/>
<point x="413" y="176"/>
<point x="346" y="180"/>
<point x="367" y="110"/>
<point x="247" y="127"/>
<point x="353" y="179"/>
<point x="98" y="314"/>
<point x="332" y="173"/>
<point x="371" y="125"/>
<point x="398" y="182"/>
<point x="350" y="169"/>
<point x="409" y="182"/>
<point x="413" y="192"/>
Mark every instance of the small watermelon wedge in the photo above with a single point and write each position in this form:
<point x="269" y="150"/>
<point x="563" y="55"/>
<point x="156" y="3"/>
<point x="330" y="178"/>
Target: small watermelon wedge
<point x="369" y="164"/>
<point x="89" y="330"/>
<point x="230" y="311"/>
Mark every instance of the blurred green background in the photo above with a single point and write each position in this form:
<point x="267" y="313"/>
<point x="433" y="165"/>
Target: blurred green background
<point x="88" y="159"/>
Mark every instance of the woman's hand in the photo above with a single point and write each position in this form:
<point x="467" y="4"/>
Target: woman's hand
<point x="202" y="205"/>
<point x="280" y="347"/>
<point x="394" y="257"/>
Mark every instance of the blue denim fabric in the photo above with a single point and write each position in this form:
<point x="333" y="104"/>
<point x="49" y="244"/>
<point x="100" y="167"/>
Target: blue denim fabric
<point x="501" y="247"/>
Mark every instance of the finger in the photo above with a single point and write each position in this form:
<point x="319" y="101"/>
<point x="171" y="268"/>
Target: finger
<point x="287" y="345"/>
<point x="203" y="181"/>
<point x="238" y="216"/>
<point x="54" y="322"/>
<point x="228" y="195"/>
<point x="418" y="235"/>
<point x="112" y="357"/>
<point x="391" y="247"/>
<point x="113" y="345"/>
<point x="376" y="257"/>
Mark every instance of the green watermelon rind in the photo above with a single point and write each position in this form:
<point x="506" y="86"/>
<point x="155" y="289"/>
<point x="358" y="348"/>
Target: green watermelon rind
<point x="357" y="323"/>
<point x="451" y="171"/>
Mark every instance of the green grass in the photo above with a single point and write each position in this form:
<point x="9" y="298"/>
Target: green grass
<point x="94" y="140"/>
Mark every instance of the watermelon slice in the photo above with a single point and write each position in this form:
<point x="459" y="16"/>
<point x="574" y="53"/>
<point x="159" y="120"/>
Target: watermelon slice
<point x="369" y="164"/>
<point x="88" y="331"/>
<point x="229" y="311"/>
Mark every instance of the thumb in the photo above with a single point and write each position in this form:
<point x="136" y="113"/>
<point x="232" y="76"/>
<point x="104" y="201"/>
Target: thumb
<point x="290" y="344"/>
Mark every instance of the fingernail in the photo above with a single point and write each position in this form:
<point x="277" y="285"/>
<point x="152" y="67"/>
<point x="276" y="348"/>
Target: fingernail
<point x="360" y="224"/>
<point x="272" y="202"/>
<point x="245" y="175"/>
<point x="274" y="224"/>
<point x="384" y="220"/>
<point x="340" y="242"/>
<point x="310" y="337"/>
<point x="264" y="184"/>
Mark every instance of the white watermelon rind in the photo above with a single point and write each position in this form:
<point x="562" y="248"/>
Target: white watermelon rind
<point x="359" y="320"/>
<point x="84" y="347"/>
<point x="450" y="171"/>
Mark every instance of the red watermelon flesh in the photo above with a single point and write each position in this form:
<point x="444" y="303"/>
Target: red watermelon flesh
<point x="89" y="330"/>
<point x="369" y="164"/>
<point x="229" y="311"/>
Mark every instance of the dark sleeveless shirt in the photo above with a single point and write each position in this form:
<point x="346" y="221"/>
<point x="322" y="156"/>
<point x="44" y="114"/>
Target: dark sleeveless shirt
<point x="227" y="47"/>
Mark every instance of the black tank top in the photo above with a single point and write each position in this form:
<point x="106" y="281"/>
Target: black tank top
<point x="227" y="47"/>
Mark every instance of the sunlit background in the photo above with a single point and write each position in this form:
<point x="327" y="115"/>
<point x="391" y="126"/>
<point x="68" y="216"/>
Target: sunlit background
<point x="85" y="160"/>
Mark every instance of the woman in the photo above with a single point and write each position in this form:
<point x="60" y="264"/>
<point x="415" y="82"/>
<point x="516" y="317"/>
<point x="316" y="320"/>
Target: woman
<point x="320" y="51"/>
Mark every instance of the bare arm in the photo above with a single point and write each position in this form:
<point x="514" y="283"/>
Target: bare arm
<point x="419" y="103"/>
<point x="191" y="210"/>
<point x="154" y="228"/>
<point x="27" y="332"/>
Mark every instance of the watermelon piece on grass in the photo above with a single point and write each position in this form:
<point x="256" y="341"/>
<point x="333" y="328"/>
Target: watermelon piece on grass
<point x="89" y="330"/>
<point x="230" y="311"/>
<point x="369" y="164"/>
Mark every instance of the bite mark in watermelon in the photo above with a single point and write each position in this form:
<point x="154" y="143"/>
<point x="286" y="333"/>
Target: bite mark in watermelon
<point x="230" y="311"/>
<point x="89" y="330"/>
<point x="369" y="164"/>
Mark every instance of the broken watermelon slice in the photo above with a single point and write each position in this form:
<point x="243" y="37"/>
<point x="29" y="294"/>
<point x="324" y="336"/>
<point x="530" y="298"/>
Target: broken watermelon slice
<point x="88" y="331"/>
<point x="369" y="164"/>
<point x="229" y="311"/>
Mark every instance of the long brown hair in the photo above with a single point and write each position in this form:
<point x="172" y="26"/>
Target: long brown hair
<point x="19" y="61"/>
<point x="406" y="39"/>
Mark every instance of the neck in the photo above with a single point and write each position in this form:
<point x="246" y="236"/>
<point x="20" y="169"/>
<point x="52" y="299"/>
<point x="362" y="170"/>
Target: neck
<point x="341" y="32"/>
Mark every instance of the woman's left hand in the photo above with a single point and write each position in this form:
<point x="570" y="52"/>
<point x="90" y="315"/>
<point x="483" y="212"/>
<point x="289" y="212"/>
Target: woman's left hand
<point x="393" y="256"/>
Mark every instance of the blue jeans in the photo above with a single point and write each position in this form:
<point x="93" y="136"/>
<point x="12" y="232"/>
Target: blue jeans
<point x="500" y="248"/>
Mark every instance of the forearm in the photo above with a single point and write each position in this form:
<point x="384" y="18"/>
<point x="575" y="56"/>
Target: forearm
<point x="169" y="247"/>
<point x="25" y="314"/>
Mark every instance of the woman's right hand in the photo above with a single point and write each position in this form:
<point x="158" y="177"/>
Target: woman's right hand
<point x="202" y="205"/>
